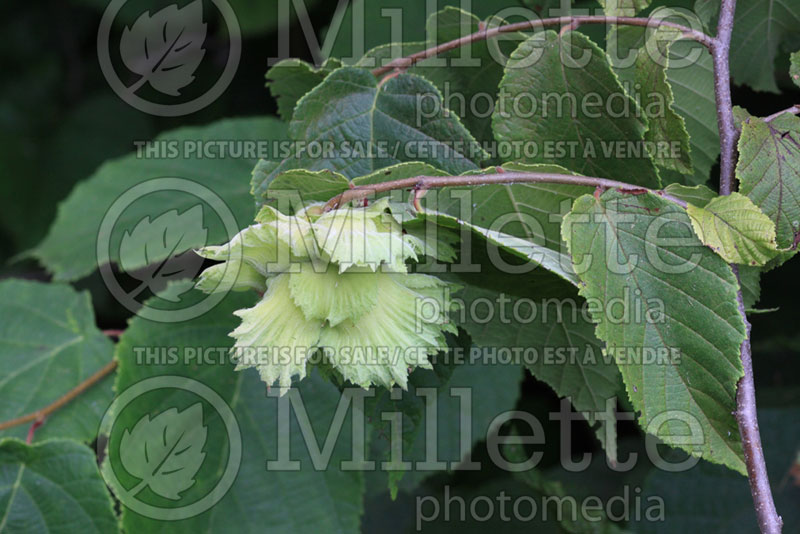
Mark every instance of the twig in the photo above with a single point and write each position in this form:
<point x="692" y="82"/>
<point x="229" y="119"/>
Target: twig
<point x="720" y="52"/>
<point x="421" y="183"/>
<point x="768" y="519"/>
<point x="794" y="110"/>
<point x="488" y="33"/>
<point x="40" y="415"/>
<point x="746" y="416"/>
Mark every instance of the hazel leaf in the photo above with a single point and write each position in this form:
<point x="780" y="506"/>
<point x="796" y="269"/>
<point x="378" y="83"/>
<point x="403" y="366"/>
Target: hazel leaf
<point x="733" y="227"/>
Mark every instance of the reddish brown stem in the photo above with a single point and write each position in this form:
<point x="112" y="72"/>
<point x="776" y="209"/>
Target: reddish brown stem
<point x="422" y="183"/>
<point x="488" y="33"/>
<point x="40" y="415"/>
<point x="746" y="414"/>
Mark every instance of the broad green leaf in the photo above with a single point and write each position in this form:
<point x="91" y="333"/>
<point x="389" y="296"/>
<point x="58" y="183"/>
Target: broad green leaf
<point x="666" y="128"/>
<point x="559" y="495"/>
<point x="385" y="121"/>
<point x="530" y="211"/>
<point x="409" y="407"/>
<point x="692" y="87"/>
<point x="542" y="111"/>
<point x="521" y="219"/>
<point x="468" y="76"/>
<point x="308" y="186"/>
<point x="458" y="392"/>
<point x="290" y="79"/>
<point x="698" y="195"/>
<point x="52" y="487"/>
<point x="559" y="348"/>
<point x="589" y="521"/>
<point x="768" y="170"/>
<point x="390" y="407"/>
<point x="709" y="498"/>
<point x="553" y="262"/>
<point x="368" y="24"/>
<point x="477" y="377"/>
<point x="760" y="29"/>
<point x="707" y="11"/>
<point x="733" y="227"/>
<point x="642" y="248"/>
<point x="475" y="493"/>
<point x="623" y="8"/>
<point x="740" y="116"/>
<point x="364" y="124"/>
<point x="794" y="68"/>
<point x="619" y="34"/>
<point x="69" y="250"/>
<point x="472" y="73"/>
<point x="48" y="345"/>
<point x="330" y="498"/>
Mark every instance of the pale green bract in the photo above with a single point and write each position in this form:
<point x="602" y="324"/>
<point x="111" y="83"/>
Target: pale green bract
<point x="335" y="287"/>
